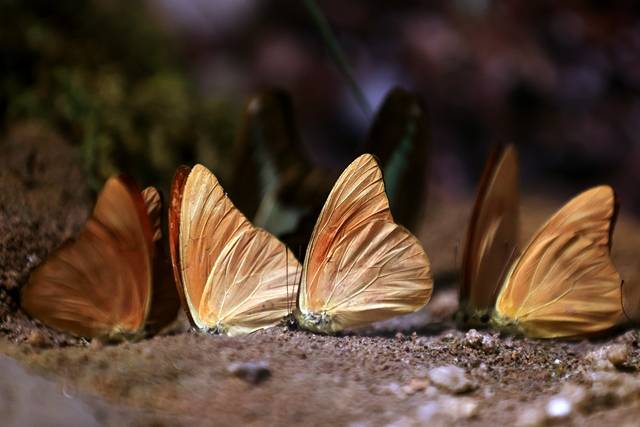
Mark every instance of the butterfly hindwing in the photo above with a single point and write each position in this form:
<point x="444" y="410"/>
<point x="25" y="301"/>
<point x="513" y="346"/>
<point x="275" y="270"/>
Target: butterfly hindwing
<point x="100" y="283"/>
<point x="492" y="236"/>
<point x="564" y="284"/>
<point x="360" y="266"/>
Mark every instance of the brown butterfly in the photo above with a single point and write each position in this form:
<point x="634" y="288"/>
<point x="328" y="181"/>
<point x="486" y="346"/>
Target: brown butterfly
<point x="102" y="283"/>
<point x="564" y="283"/>
<point x="233" y="278"/>
<point x="360" y="265"/>
<point x="491" y="238"/>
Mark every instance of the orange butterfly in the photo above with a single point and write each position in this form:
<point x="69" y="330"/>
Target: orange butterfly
<point x="360" y="266"/>
<point x="235" y="278"/>
<point x="564" y="283"/>
<point x="102" y="283"/>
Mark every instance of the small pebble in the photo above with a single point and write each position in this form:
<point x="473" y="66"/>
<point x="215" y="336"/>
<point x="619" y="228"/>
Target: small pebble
<point x="618" y="354"/>
<point x="461" y="407"/>
<point x="451" y="378"/>
<point x="447" y="409"/>
<point x="251" y="372"/>
<point x="558" y="407"/>
<point x="576" y="394"/>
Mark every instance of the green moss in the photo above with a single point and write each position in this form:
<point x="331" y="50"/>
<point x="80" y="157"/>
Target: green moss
<point x="105" y="76"/>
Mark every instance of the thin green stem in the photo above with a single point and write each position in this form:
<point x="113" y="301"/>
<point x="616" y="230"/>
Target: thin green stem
<point x="337" y="54"/>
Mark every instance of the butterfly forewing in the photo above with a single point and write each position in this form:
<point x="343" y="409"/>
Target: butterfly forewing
<point x="360" y="265"/>
<point x="493" y="233"/>
<point x="565" y="284"/>
<point x="234" y="276"/>
<point x="99" y="284"/>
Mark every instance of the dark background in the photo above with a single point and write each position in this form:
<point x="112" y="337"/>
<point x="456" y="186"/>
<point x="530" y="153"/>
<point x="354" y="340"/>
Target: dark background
<point x="559" y="79"/>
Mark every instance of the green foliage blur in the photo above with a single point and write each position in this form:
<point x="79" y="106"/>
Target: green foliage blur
<point x="106" y="76"/>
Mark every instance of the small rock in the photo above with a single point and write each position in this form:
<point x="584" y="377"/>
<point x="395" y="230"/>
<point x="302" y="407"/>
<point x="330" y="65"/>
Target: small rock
<point x="451" y="378"/>
<point x="38" y="339"/>
<point x="251" y="372"/>
<point x="558" y="408"/>
<point x="475" y="339"/>
<point x="609" y="357"/>
<point x="618" y="354"/>
<point x="460" y="407"/>
<point x="447" y="409"/>
<point x="577" y="395"/>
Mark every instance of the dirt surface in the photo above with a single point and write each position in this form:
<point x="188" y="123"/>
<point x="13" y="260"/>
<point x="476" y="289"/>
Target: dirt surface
<point x="379" y="376"/>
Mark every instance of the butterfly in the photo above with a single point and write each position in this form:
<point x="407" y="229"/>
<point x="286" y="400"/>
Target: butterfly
<point x="492" y="237"/>
<point x="103" y="283"/>
<point x="563" y="284"/>
<point x="236" y="278"/>
<point x="360" y="265"/>
<point x="233" y="278"/>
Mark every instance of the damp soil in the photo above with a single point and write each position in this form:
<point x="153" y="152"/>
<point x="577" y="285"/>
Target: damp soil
<point x="371" y="377"/>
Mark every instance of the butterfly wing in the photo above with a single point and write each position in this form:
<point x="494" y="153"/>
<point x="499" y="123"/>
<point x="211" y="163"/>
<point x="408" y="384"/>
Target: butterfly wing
<point x="99" y="284"/>
<point x="164" y="301"/>
<point x="492" y="235"/>
<point x="565" y="284"/>
<point x="399" y="138"/>
<point x="235" y="278"/>
<point x="631" y="300"/>
<point x="360" y="266"/>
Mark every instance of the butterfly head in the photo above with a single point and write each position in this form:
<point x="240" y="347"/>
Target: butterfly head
<point x="472" y="317"/>
<point x="506" y="324"/>
<point x="218" y="329"/>
<point x="320" y="322"/>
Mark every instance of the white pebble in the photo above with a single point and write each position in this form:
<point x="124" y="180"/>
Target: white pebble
<point x="451" y="378"/>
<point x="558" y="407"/>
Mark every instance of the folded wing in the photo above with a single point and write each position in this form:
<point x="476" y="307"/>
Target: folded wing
<point x="565" y="284"/>
<point x="235" y="278"/>
<point x="492" y="235"/>
<point x="360" y="266"/>
<point x="99" y="284"/>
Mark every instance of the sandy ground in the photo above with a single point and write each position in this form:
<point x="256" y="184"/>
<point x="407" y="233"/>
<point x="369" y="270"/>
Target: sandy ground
<point x="384" y="375"/>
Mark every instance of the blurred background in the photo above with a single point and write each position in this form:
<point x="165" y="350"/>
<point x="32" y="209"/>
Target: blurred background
<point x="142" y="87"/>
